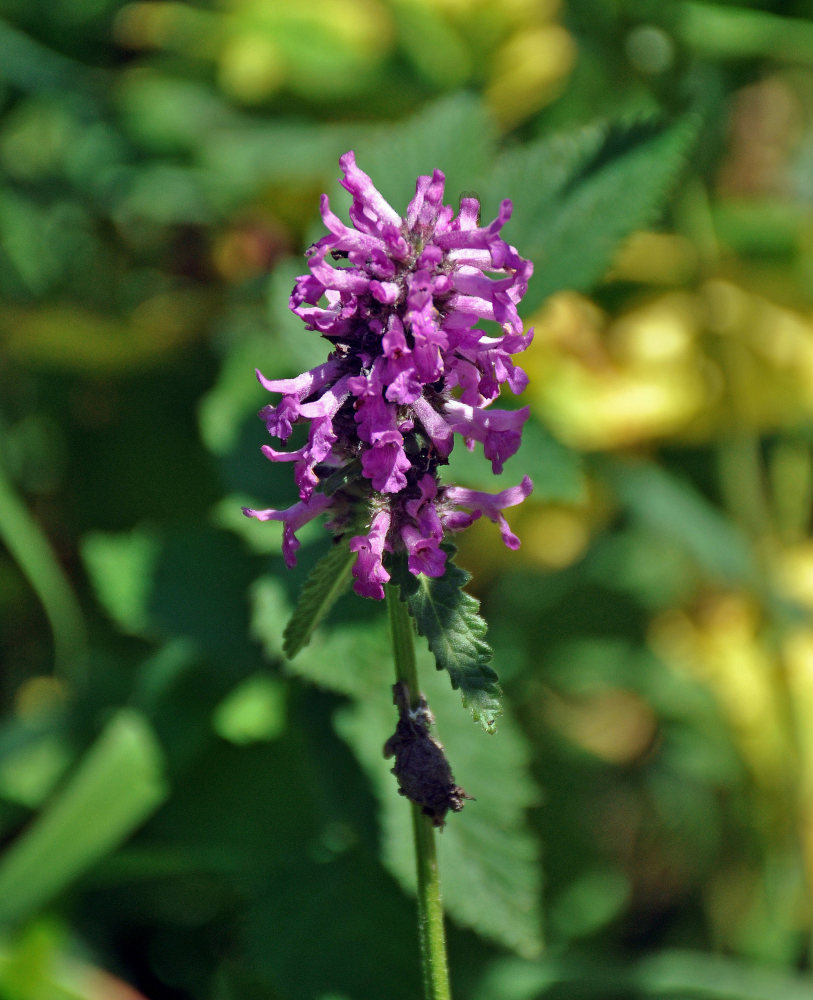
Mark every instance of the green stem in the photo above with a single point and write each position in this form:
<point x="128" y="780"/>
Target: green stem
<point x="28" y="546"/>
<point x="431" y="932"/>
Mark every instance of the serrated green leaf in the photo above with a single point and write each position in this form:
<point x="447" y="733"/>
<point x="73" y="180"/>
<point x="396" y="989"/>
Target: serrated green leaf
<point x="577" y="197"/>
<point x="449" y="619"/>
<point x="491" y="870"/>
<point x="326" y="582"/>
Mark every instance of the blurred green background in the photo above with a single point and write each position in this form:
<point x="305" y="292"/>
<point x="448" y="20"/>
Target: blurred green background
<point x="185" y="815"/>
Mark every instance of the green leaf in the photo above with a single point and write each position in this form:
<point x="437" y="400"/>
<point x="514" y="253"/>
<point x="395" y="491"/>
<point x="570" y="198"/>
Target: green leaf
<point x="578" y="196"/>
<point x="40" y="962"/>
<point x="679" y="975"/>
<point x="160" y="585"/>
<point x="449" y="619"/>
<point x="672" y="506"/>
<point x="487" y="854"/>
<point x="491" y="870"/>
<point x="121" y="568"/>
<point x="252" y="712"/>
<point x="454" y="133"/>
<point x="117" y="785"/>
<point x="348" y="658"/>
<point x="327" y="580"/>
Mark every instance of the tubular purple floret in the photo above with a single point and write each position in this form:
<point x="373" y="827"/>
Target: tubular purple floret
<point x="408" y="371"/>
<point x="293" y="519"/>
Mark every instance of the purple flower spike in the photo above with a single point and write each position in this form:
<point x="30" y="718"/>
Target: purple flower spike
<point x="399" y="300"/>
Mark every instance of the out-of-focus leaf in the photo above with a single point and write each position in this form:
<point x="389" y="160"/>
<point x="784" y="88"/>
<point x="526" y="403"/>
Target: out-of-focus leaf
<point x="734" y="32"/>
<point x="280" y="152"/>
<point x="760" y="227"/>
<point x="235" y="396"/>
<point x="70" y="337"/>
<point x="344" y="658"/>
<point x="166" y="194"/>
<point x="171" y="113"/>
<point x="320" y="43"/>
<point x="433" y="45"/>
<point x="556" y="470"/>
<point x="298" y="348"/>
<point x="117" y="785"/>
<point x="672" y="506"/>
<point x="25" y="540"/>
<point x="253" y="711"/>
<point x="649" y="564"/>
<point x="577" y="196"/>
<point x="39" y="964"/>
<point x="122" y="568"/>
<point x="29" y="770"/>
<point x="285" y="349"/>
<point x="326" y="582"/>
<point x="588" y="904"/>
<point x="26" y="249"/>
<point x="199" y="587"/>
<point x="676" y="975"/>
<point x="34" y="67"/>
<point x="168" y="586"/>
<point x="306" y="962"/>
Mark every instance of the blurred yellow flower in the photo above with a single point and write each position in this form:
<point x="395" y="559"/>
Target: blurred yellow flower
<point x="528" y="71"/>
<point x="685" y="364"/>
<point x="614" y="724"/>
<point x="516" y="51"/>
<point x="722" y="646"/>
<point x="602" y="385"/>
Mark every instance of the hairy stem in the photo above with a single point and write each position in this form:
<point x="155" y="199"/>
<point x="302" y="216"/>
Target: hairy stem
<point x="431" y="932"/>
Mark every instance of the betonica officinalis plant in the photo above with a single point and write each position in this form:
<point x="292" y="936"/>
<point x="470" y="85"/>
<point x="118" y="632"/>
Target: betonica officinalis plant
<point x="399" y="301"/>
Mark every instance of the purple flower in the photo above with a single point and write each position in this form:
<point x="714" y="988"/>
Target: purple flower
<point x="399" y="300"/>
<point x="293" y="518"/>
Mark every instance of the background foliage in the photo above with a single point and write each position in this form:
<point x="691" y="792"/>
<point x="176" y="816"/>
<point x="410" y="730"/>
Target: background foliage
<point x="186" y="814"/>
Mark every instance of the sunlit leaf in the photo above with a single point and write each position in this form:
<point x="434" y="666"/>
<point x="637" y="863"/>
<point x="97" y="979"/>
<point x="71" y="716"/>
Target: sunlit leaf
<point x="42" y="962"/>
<point x="253" y="711"/>
<point x="121" y="568"/>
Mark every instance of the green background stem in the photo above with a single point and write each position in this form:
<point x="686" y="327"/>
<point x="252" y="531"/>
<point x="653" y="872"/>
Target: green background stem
<point x="28" y="545"/>
<point x="431" y="932"/>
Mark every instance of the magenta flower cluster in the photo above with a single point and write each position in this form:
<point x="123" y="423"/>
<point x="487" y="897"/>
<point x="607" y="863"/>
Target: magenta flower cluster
<point x="399" y="300"/>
